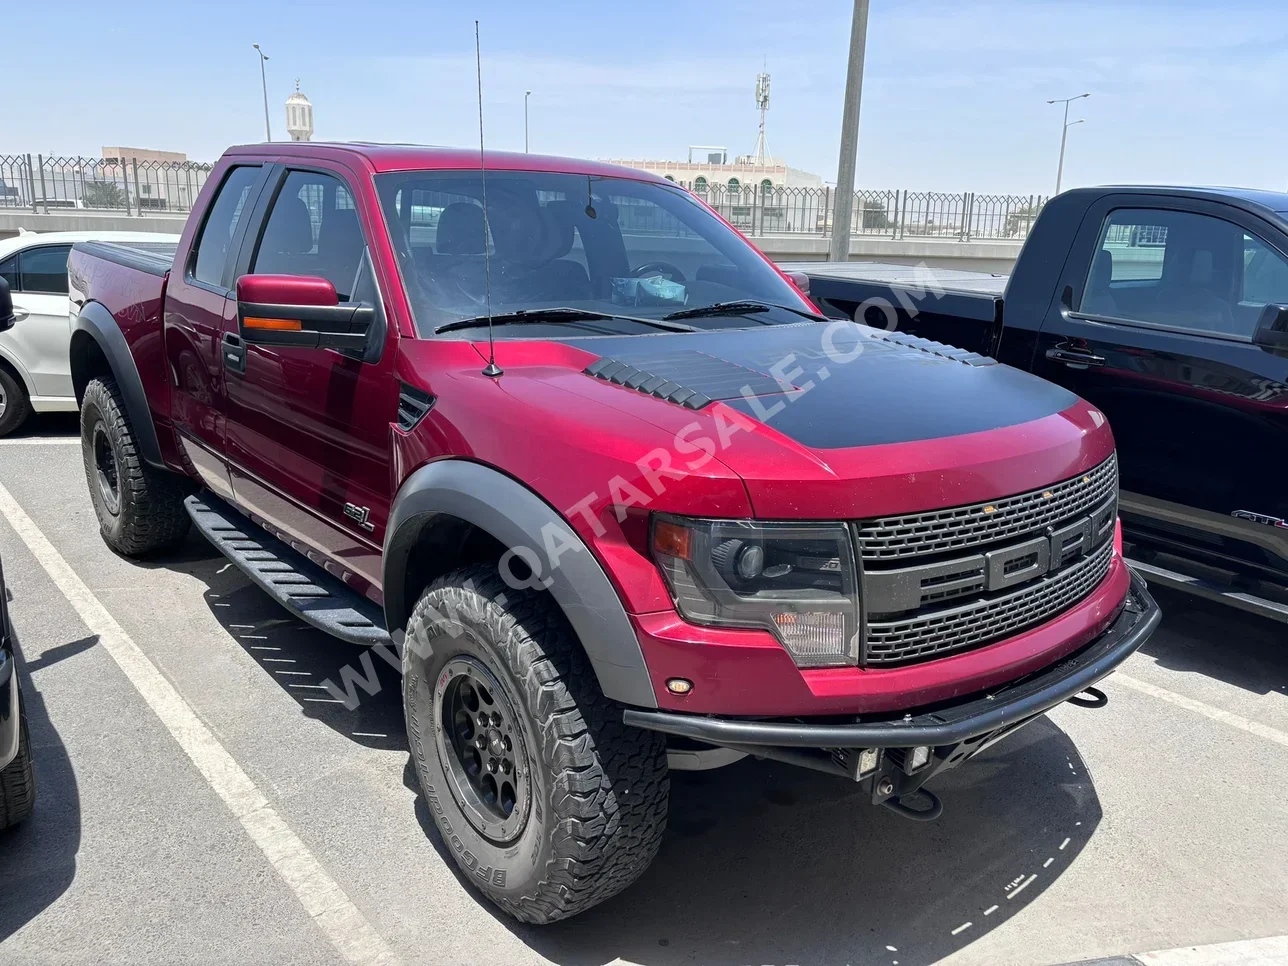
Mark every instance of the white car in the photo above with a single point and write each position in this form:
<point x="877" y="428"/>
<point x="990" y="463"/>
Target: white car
<point x="35" y="370"/>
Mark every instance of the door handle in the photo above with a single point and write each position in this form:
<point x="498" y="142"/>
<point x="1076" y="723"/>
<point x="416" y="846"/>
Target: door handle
<point x="1074" y="357"/>
<point x="234" y="351"/>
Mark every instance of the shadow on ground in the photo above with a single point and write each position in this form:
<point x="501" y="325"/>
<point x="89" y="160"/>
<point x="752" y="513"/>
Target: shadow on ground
<point x="762" y="862"/>
<point x="298" y="657"/>
<point x="38" y="857"/>
<point x="766" y="863"/>
<point x="48" y="424"/>
<point x="1204" y="637"/>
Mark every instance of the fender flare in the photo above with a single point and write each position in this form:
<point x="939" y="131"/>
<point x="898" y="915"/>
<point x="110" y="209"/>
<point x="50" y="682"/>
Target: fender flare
<point x="95" y="323"/>
<point x="516" y="517"/>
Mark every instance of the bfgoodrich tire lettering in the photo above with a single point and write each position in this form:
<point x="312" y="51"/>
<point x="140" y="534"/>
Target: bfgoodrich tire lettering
<point x="139" y="508"/>
<point x="596" y="793"/>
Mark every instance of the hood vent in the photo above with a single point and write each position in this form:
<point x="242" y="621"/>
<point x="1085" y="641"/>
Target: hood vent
<point x="686" y="377"/>
<point x="934" y="348"/>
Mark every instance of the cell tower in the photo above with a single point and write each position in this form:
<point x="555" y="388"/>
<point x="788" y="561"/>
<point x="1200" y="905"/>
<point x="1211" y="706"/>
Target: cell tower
<point x="761" y="154"/>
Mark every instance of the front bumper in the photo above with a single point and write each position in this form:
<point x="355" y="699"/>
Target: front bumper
<point x="954" y="730"/>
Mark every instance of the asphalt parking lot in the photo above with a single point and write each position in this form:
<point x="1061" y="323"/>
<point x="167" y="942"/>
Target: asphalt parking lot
<point x="1160" y="821"/>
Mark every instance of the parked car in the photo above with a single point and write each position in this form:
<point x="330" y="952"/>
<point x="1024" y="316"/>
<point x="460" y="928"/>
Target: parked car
<point x="634" y="532"/>
<point x="33" y="354"/>
<point x="1167" y="308"/>
<point x="17" y="776"/>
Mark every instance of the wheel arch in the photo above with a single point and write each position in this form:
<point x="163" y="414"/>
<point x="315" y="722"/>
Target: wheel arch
<point x="98" y="347"/>
<point x="453" y="512"/>
<point x="9" y="362"/>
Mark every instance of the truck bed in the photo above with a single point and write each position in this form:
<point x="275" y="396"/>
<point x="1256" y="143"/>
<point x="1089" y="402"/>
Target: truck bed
<point x="959" y="308"/>
<point x="155" y="258"/>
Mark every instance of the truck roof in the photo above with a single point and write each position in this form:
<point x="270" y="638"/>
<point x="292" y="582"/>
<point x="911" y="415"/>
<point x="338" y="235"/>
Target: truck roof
<point x="1276" y="201"/>
<point x="412" y="157"/>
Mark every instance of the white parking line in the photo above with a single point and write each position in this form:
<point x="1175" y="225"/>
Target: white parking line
<point x="1198" y="707"/>
<point x="321" y="896"/>
<point x="42" y="441"/>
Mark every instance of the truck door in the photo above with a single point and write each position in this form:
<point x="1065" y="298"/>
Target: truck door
<point x="308" y="428"/>
<point x="1152" y="322"/>
<point x="199" y="305"/>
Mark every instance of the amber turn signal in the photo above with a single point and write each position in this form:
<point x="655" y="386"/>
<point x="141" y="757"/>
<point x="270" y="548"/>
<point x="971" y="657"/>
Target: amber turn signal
<point x="285" y="325"/>
<point x="679" y="685"/>
<point x="672" y="540"/>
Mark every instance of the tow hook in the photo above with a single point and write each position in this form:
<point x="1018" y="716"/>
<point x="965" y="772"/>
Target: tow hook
<point x="929" y="813"/>
<point x="1090" y="698"/>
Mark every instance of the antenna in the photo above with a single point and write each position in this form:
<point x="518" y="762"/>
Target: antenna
<point x="491" y="369"/>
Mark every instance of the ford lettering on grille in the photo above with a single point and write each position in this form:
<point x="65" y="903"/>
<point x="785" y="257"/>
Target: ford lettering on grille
<point x="923" y="597"/>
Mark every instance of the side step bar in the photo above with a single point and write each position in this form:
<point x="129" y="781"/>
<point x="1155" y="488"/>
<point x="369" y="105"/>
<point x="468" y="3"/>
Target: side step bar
<point x="286" y="575"/>
<point x="1212" y="590"/>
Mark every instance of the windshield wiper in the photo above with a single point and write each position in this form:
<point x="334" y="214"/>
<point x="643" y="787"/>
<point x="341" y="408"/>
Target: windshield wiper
<point x="739" y="307"/>
<point x="559" y="314"/>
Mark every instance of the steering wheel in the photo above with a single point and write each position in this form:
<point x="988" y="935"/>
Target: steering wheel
<point x="660" y="268"/>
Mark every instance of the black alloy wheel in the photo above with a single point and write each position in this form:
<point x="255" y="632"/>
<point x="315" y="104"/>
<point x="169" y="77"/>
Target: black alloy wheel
<point x="481" y="746"/>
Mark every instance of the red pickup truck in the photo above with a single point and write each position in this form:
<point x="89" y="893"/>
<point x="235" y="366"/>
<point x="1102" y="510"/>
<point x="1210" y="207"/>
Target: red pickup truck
<point x="560" y="441"/>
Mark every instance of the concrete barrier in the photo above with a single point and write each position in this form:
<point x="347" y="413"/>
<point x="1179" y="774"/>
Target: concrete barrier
<point x="980" y="256"/>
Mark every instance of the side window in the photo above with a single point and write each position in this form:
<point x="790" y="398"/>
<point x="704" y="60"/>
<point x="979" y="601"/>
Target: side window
<point x="44" y="270"/>
<point x="221" y="224"/>
<point x="1175" y="268"/>
<point x="1265" y="274"/>
<point x="9" y="272"/>
<point x="313" y="229"/>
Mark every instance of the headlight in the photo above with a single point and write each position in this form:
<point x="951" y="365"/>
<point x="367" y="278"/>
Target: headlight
<point x="797" y="580"/>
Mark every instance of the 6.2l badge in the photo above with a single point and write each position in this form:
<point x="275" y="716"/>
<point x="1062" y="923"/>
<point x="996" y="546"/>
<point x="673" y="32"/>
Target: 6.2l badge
<point x="359" y="515"/>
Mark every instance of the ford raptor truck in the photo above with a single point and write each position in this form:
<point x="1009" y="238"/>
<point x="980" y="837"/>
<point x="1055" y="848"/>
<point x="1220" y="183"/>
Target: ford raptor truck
<point x="559" y="441"/>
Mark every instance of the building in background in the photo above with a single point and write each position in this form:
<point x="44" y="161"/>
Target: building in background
<point x="299" y="116"/>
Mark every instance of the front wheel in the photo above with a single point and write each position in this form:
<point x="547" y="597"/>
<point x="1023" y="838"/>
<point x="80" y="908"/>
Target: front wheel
<point x="139" y="507"/>
<point x="547" y="801"/>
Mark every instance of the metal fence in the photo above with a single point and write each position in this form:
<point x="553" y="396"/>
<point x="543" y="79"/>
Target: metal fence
<point x="43" y="184"/>
<point x="38" y="183"/>
<point x="767" y="210"/>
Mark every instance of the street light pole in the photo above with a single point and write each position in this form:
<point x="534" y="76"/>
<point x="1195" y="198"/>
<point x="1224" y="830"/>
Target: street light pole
<point x="526" y="95"/>
<point x="842" y="211"/>
<point x="1064" y="134"/>
<point x="263" y="80"/>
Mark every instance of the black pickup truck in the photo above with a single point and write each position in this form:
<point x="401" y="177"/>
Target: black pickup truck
<point x="1167" y="308"/>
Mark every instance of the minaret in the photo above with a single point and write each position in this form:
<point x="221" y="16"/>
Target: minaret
<point x="299" y="116"/>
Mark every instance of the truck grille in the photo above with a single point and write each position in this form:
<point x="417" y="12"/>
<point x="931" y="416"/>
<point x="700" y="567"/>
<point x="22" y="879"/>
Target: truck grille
<point x="957" y="628"/>
<point x="945" y="581"/>
<point x="957" y="528"/>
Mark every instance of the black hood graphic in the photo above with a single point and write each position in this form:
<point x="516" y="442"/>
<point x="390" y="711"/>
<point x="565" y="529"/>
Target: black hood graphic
<point x="831" y="385"/>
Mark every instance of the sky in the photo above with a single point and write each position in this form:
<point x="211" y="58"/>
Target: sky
<point x="954" y="94"/>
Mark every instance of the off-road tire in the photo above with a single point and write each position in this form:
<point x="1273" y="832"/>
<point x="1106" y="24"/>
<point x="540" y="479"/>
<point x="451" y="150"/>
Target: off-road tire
<point x="17" y="404"/>
<point x="598" y="791"/>
<point x="18" y="780"/>
<point x="149" y="515"/>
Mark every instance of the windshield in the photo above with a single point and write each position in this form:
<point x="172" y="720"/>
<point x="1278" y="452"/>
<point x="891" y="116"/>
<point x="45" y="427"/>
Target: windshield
<point x="607" y="245"/>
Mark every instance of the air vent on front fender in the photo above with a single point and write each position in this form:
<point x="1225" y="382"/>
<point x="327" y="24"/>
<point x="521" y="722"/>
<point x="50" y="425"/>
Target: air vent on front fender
<point x="413" y="404"/>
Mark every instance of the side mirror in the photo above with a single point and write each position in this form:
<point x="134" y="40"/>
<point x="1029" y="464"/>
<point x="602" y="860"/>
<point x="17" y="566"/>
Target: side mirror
<point x="300" y="310"/>
<point x="6" y="307"/>
<point x="1272" y="328"/>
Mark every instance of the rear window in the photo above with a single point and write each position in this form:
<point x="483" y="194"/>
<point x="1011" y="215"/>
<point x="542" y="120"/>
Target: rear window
<point x="215" y="241"/>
